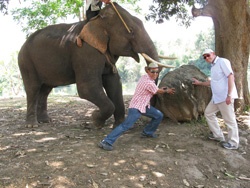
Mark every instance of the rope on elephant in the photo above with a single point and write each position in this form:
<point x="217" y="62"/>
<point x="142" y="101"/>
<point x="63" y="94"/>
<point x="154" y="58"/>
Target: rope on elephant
<point x="120" y="17"/>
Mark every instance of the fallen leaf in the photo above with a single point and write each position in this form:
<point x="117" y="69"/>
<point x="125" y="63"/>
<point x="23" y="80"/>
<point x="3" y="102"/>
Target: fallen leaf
<point x="95" y="185"/>
<point x="186" y="182"/>
<point x="171" y="134"/>
<point x="229" y="175"/>
<point x="180" y="150"/>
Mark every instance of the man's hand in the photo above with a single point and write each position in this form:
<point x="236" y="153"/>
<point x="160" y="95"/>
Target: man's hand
<point x="195" y="81"/>
<point x="228" y="100"/>
<point x="199" y="83"/>
<point x="170" y="91"/>
<point x="166" y="90"/>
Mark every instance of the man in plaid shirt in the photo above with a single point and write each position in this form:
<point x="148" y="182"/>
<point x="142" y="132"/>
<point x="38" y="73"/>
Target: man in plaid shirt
<point x="140" y="105"/>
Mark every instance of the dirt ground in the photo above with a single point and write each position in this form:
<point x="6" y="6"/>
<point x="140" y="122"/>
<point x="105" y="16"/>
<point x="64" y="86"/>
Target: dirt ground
<point x="64" y="153"/>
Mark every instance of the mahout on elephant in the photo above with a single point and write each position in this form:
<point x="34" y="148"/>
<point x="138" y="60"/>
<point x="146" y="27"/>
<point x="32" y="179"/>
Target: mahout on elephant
<point x="50" y="57"/>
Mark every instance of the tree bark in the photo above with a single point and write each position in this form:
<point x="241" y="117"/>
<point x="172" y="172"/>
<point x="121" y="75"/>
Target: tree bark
<point x="232" y="39"/>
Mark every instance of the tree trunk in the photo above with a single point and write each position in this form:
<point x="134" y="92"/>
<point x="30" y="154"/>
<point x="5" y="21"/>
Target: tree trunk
<point x="232" y="39"/>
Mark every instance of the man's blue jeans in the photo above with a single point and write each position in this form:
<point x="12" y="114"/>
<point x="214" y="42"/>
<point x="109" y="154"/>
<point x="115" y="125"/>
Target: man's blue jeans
<point x="133" y="115"/>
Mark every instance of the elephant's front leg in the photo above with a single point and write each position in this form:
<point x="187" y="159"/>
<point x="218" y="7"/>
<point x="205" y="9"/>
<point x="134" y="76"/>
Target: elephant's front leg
<point x="94" y="93"/>
<point x="113" y="87"/>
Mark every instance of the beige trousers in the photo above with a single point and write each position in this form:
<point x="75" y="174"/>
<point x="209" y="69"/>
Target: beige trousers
<point x="228" y="115"/>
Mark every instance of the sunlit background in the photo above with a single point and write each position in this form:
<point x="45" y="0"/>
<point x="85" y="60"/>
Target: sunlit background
<point x="170" y="39"/>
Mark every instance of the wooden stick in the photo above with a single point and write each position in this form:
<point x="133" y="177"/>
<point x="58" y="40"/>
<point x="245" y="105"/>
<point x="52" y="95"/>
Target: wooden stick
<point x="120" y="17"/>
<point x="244" y="178"/>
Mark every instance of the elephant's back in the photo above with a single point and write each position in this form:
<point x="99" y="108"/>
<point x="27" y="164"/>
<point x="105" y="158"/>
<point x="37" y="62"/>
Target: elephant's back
<point x="48" y="46"/>
<point x="58" y="35"/>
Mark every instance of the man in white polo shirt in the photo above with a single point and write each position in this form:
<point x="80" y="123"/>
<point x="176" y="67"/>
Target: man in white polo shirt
<point x="223" y="94"/>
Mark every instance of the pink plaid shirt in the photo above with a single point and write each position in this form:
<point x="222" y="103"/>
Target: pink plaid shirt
<point x="145" y="89"/>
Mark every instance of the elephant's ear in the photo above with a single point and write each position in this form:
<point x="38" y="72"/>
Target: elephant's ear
<point x="95" y="35"/>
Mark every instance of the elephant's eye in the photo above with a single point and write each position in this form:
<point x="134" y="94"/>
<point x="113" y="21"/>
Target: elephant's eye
<point x="131" y="31"/>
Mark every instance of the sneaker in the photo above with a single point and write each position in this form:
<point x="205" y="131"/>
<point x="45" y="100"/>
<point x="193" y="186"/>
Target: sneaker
<point x="144" y="135"/>
<point x="228" y="146"/>
<point x="218" y="139"/>
<point x="105" y="145"/>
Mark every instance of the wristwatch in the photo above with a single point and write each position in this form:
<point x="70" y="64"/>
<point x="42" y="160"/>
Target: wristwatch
<point x="229" y="95"/>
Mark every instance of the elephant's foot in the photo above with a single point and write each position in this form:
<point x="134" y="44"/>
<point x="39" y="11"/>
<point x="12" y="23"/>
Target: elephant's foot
<point x="43" y="118"/>
<point x="97" y="121"/>
<point x="31" y="121"/>
<point x="98" y="124"/>
<point x="31" y="125"/>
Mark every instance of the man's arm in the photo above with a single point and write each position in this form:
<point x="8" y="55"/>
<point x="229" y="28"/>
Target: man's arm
<point x="166" y="90"/>
<point x="197" y="82"/>
<point x="230" y="84"/>
<point x="230" y="88"/>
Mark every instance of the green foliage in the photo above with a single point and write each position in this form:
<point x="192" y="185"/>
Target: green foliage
<point x="247" y="108"/>
<point x="129" y="70"/>
<point x="192" y="54"/>
<point x="10" y="78"/>
<point x="4" y="6"/>
<point x="39" y="14"/>
<point x="202" y="120"/>
<point x="168" y="8"/>
<point x="204" y="41"/>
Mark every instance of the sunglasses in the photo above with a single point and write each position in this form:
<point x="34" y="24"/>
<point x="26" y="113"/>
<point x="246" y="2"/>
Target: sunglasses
<point x="154" y="72"/>
<point x="205" y="56"/>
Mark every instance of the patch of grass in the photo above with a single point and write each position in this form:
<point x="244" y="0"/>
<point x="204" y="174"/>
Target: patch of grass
<point x="247" y="108"/>
<point x="200" y="121"/>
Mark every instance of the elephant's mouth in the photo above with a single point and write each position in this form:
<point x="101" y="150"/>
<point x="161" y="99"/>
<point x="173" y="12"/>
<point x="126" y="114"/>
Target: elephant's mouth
<point x="147" y="58"/>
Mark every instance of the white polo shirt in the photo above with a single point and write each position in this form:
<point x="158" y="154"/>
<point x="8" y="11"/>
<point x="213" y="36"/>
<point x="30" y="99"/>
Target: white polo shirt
<point x="220" y="70"/>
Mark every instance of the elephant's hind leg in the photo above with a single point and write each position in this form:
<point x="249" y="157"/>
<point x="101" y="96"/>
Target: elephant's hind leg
<point x="42" y="114"/>
<point x="32" y="87"/>
<point x="32" y="98"/>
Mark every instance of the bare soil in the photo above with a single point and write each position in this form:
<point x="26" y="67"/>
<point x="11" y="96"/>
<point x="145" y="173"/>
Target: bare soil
<point x="64" y="153"/>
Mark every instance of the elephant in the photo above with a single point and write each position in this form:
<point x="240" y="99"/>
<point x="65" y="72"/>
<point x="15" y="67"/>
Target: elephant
<point x="50" y="57"/>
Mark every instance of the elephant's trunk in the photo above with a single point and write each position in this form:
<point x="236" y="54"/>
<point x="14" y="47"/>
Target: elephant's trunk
<point x="147" y="58"/>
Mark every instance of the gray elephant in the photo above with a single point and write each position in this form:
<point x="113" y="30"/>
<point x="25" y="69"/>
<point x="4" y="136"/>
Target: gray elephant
<point x="51" y="58"/>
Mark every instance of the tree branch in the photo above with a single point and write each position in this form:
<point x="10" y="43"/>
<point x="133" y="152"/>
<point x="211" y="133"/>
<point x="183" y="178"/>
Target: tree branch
<point x="205" y="11"/>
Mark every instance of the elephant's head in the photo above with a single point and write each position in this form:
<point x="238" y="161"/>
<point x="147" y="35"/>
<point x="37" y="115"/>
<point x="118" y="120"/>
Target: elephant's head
<point x="108" y="34"/>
